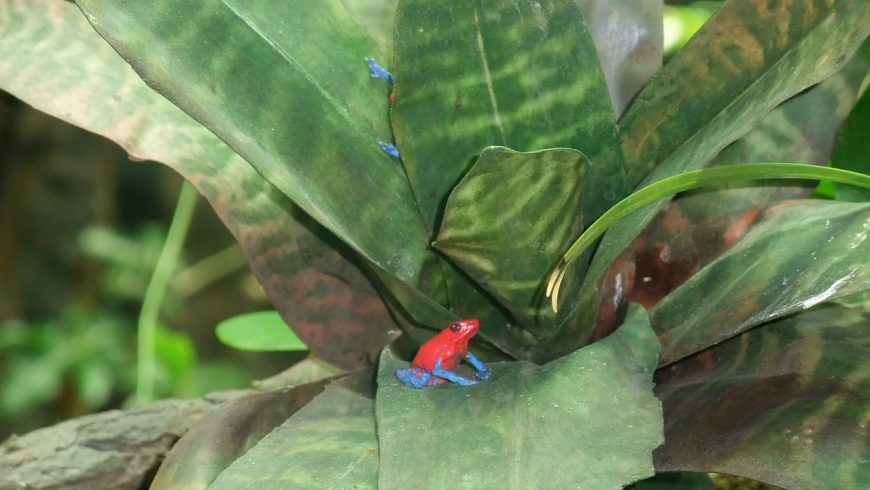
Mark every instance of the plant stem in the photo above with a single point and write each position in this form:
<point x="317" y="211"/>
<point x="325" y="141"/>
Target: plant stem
<point x="156" y="292"/>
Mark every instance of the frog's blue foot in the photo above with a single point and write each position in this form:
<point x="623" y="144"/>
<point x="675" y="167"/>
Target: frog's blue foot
<point x="417" y="378"/>
<point x="378" y="71"/>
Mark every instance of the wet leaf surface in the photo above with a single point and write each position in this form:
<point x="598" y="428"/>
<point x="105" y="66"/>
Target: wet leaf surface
<point x="786" y="403"/>
<point x="593" y="409"/>
<point x="55" y="61"/>
<point x="799" y="254"/>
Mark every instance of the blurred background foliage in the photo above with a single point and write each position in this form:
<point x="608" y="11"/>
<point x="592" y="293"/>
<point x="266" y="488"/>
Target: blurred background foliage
<point x="81" y="229"/>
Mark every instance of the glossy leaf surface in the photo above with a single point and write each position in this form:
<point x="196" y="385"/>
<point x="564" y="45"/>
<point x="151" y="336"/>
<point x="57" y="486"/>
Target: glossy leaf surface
<point x="786" y="404"/>
<point x="307" y="122"/>
<point x="593" y="409"/>
<point x="508" y="220"/>
<point x="53" y="60"/>
<point x="329" y="443"/>
<point x="748" y="58"/>
<point x="799" y="254"/>
<point x="473" y="74"/>
<point x="628" y="37"/>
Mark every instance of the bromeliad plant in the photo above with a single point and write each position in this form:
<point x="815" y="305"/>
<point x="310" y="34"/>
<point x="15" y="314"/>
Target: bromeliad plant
<point x="518" y="124"/>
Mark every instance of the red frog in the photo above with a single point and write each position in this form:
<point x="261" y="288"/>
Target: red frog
<point x="436" y="359"/>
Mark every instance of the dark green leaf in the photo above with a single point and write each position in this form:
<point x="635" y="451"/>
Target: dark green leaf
<point x="802" y="129"/>
<point x="259" y="331"/>
<point x="329" y="443"/>
<point x="751" y="56"/>
<point x="587" y="420"/>
<point x="54" y="60"/>
<point x="285" y="85"/>
<point x="853" y="149"/>
<point x="509" y="219"/>
<point x="473" y="74"/>
<point x="799" y="254"/>
<point x="785" y="404"/>
<point x="628" y="38"/>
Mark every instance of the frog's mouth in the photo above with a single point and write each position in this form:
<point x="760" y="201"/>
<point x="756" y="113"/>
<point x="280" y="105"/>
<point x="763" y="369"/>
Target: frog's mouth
<point x="469" y="327"/>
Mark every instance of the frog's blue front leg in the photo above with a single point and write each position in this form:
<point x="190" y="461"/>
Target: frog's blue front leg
<point x="482" y="370"/>
<point x="451" y="376"/>
<point x="378" y="71"/>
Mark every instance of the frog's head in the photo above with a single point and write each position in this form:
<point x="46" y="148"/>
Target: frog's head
<point x="463" y="330"/>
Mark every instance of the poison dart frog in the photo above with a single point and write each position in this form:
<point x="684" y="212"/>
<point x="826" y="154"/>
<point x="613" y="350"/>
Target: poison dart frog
<point x="438" y="356"/>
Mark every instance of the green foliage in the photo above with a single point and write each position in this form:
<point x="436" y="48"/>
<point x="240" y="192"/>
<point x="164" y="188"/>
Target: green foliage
<point x="340" y="234"/>
<point x="258" y="331"/>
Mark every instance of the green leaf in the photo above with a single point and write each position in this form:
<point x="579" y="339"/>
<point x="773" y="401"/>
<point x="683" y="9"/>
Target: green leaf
<point x="800" y="253"/>
<point x="329" y="443"/>
<point x="473" y="74"/>
<point x="628" y="37"/>
<point x="587" y="420"/>
<point x="260" y="331"/>
<point x="55" y="61"/>
<point x="802" y="129"/>
<point x="686" y="181"/>
<point x="509" y="218"/>
<point x="308" y="122"/>
<point x="748" y="58"/>
<point x="227" y="433"/>
<point x="853" y="149"/>
<point x="785" y="404"/>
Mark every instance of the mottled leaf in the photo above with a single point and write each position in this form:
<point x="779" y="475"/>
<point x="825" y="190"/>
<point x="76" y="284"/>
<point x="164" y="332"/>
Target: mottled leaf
<point x="51" y="58"/>
<point x="853" y="149"/>
<point x="699" y="225"/>
<point x="787" y="404"/>
<point x="748" y="58"/>
<point x="256" y="74"/>
<point x="226" y="434"/>
<point x="519" y="74"/>
<point x="802" y="129"/>
<point x="628" y="37"/>
<point x="509" y="219"/>
<point x="587" y="420"/>
<point x="799" y="254"/>
<point x="329" y="443"/>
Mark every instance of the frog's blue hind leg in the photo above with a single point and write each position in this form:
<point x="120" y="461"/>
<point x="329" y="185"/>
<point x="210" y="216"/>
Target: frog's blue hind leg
<point x="413" y="377"/>
<point x="482" y="370"/>
<point x="451" y="376"/>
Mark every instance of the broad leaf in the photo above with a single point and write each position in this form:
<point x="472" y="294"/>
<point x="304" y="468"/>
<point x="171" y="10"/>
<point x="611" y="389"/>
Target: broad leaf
<point x="226" y="434"/>
<point x="329" y="443"/>
<point x="628" y="37"/>
<point x="587" y="420"/>
<point x="799" y="254"/>
<point x="285" y="85"/>
<point x="473" y="74"/>
<point x="786" y="404"/>
<point x="802" y="129"/>
<point x="51" y="58"/>
<point x="749" y="57"/>
<point x="509" y="219"/>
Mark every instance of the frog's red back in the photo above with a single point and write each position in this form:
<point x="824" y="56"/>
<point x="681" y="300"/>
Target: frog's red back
<point x="450" y="345"/>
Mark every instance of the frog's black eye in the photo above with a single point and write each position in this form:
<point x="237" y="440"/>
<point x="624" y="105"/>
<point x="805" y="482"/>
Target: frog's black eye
<point x="455" y="327"/>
